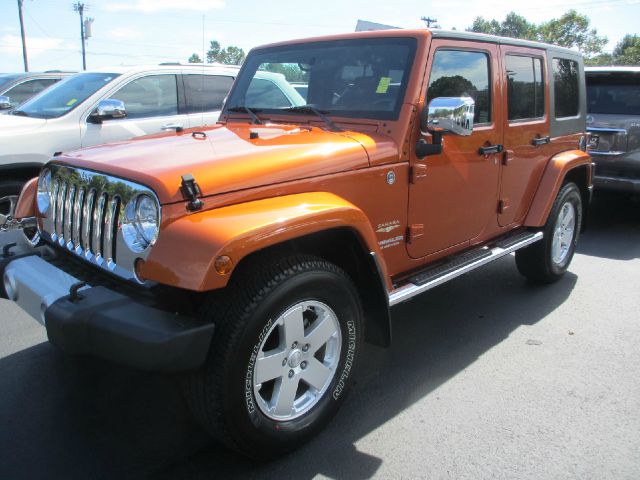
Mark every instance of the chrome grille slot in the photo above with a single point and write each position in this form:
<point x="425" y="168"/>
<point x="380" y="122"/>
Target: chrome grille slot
<point x="68" y="215"/>
<point x="96" y="236"/>
<point x="87" y="209"/>
<point x="87" y="215"/>
<point x="77" y="218"/>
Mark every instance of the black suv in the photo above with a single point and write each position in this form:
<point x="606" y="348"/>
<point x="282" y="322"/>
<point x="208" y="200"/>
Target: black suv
<point x="613" y="120"/>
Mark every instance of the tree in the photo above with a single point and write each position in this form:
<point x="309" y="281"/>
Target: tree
<point x="214" y="51"/>
<point x="195" y="58"/>
<point x="570" y="30"/>
<point x="230" y="56"/>
<point x="514" y="26"/>
<point x="627" y="51"/>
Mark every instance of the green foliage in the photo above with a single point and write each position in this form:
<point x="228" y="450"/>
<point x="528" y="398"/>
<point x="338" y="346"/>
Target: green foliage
<point x="229" y="56"/>
<point x="570" y="30"/>
<point x="195" y="58"/>
<point x="627" y="52"/>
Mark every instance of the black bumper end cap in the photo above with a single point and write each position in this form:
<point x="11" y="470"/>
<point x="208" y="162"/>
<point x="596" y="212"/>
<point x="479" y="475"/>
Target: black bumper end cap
<point x="115" y="327"/>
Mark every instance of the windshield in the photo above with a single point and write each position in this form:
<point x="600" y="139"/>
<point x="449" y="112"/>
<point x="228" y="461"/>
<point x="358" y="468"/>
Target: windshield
<point x="65" y="96"/>
<point x="361" y="78"/>
<point x="614" y="94"/>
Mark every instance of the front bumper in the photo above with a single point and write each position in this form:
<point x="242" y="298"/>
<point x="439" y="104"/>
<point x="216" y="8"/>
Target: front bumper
<point x="99" y="320"/>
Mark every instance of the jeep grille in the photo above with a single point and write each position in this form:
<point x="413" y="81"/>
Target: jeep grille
<point x="84" y="217"/>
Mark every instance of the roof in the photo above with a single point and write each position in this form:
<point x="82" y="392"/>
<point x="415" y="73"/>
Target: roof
<point x="199" y="67"/>
<point x="435" y="33"/>
<point x="483" y="37"/>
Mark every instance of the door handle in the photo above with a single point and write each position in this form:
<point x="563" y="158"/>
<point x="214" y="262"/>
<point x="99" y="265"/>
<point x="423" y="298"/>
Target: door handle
<point x="541" y="140"/>
<point x="172" y="126"/>
<point x="490" y="149"/>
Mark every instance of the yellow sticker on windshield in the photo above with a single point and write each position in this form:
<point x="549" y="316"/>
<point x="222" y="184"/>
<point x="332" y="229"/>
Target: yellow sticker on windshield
<point x="383" y="85"/>
<point x="71" y="102"/>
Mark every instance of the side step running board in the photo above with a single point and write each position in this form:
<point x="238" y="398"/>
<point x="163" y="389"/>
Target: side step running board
<point x="461" y="264"/>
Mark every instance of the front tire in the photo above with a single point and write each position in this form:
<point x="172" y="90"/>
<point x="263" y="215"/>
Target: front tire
<point x="284" y="350"/>
<point x="547" y="261"/>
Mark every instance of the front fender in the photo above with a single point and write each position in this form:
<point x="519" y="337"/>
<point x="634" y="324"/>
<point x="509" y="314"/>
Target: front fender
<point x="552" y="179"/>
<point x="187" y="247"/>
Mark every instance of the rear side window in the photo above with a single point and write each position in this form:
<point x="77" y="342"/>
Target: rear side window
<point x="525" y="87"/>
<point x="565" y="81"/>
<point x="205" y="93"/>
<point x="152" y="96"/>
<point x="28" y="89"/>
<point x="458" y="73"/>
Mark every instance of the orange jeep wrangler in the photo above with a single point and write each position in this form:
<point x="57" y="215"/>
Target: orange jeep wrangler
<point x="256" y="255"/>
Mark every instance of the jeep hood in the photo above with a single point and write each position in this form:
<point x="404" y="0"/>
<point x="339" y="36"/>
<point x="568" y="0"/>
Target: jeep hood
<point x="224" y="158"/>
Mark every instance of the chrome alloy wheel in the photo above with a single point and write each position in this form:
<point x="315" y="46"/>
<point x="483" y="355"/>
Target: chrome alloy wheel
<point x="297" y="360"/>
<point x="563" y="234"/>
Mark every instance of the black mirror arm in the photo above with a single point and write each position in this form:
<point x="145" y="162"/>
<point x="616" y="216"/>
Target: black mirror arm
<point x="424" y="149"/>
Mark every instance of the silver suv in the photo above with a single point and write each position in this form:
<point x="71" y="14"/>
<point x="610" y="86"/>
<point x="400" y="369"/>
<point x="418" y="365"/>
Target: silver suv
<point x="613" y="107"/>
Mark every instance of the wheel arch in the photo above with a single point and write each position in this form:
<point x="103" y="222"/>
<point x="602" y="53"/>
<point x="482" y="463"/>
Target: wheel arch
<point x="361" y="265"/>
<point x="572" y="165"/>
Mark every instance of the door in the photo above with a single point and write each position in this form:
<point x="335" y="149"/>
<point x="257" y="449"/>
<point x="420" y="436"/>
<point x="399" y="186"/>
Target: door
<point x="204" y="95"/>
<point x="454" y="197"/>
<point x="526" y="130"/>
<point x="151" y="102"/>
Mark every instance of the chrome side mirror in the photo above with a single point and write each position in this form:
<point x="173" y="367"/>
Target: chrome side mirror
<point x="109" y="109"/>
<point x="5" y="103"/>
<point x="450" y="114"/>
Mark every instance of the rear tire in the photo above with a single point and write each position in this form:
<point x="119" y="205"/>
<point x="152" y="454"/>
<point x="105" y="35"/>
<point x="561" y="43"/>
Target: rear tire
<point x="546" y="261"/>
<point x="287" y="335"/>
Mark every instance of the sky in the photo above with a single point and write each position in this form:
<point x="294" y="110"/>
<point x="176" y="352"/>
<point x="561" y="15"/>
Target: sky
<point x="133" y="32"/>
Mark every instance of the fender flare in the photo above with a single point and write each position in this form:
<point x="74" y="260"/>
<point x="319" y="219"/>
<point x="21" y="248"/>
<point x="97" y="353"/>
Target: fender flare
<point x="185" y="252"/>
<point x="552" y="180"/>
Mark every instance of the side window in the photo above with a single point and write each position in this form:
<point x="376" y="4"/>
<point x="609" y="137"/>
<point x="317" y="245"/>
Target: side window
<point x="265" y="94"/>
<point x="205" y="93"/>
<point x="152" y="96"/>
<point x="565" y="85"/>
<point x="457" y="73"/>
<point x="525" y="88"/>
<point x="26" y="90"/>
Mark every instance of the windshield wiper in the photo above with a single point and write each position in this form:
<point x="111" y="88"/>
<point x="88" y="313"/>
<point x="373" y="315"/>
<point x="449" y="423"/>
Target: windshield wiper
<point x="252" y="113"/>
<point x="19" y="112"/>
<point x="319" y="113"/>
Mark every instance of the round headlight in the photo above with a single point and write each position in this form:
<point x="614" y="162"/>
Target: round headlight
<point x="141" y="223"/>
<point x="44" y="191"/>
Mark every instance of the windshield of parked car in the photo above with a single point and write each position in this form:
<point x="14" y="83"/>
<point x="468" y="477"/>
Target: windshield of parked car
<point x="65" y="96"/>
<point x="359" y="78"/>
<point x="614" y="94"/>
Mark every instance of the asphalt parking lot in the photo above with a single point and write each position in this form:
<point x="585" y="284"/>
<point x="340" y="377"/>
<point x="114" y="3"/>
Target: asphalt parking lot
<point x="488" y="377"/>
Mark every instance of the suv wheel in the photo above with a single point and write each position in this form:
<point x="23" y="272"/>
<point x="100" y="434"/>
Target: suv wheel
<point x="283" y="354"/>
<point x="547" y="260"/>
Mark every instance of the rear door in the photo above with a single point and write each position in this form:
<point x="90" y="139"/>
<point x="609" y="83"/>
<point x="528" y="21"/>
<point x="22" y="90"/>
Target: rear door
<point x="527" y="145"/>
<point x="204" y="95"/>
<point x="454" y="199"/>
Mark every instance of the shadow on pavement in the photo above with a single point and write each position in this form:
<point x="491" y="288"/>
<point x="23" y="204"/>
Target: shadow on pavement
<point x="84" y="418"/>
<point x="614" y="228"/>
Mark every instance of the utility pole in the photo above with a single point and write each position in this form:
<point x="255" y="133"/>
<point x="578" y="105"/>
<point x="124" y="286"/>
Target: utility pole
<point x="79" y="7"/>
<point x="24" y="43"/>
<point x="429" y="21"/>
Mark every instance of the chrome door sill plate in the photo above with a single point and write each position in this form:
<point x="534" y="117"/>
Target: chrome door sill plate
<point x="461" y="264"/>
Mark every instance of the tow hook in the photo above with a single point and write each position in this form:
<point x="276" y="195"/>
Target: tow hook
<point x="7" y="220"/>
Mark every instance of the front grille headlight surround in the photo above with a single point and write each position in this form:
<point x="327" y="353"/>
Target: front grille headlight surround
<point x="140" y="222"/>
<point x="43" y="198"/>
